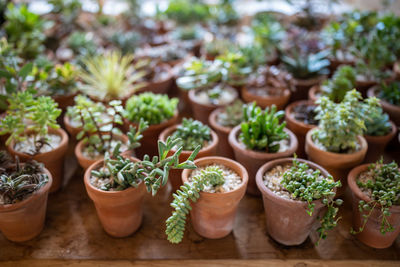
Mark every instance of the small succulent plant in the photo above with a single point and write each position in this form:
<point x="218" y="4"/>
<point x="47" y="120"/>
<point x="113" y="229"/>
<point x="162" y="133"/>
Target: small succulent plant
<point x="261" y="130"/>
<point x="192" y="134"/>
<point x="377" y="123"/>
<point x="382" y="185"/>
<point x="122" y="173"/>
<point x="232" y="114"/>
<point x="391" y="92"/>
<point x="306" y="66"/>
<point x="62" y="80"/>
<point x="343" y="80"/>
<point x="41" y="113"/>
<point x="186" y="12"/>
<point x="189" y="192"/>
<point x="308" y="185"/>
<point x="19" y="181"/>
<point x="82" y="44"/>
<point x="340" y="124"/>
<point x="153" y="108"/>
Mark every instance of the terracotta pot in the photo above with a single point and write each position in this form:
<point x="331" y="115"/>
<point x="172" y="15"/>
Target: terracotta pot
<point x="302" y="87"/>
<point x="150" y="136"/>
<point x="363" y="86"/>
<point x="371" y="235"/>
<point x="175" y="174"/>
<point x="224" y="149"/>
<point x="266" y="101"/>
<point x="213" y="215"/>
<point x="287" y="220"/>
<point x="52" y="160"/>
<point x="24" y="220"/>
<point x="299" y="128"/>
<point x="337" y="164"/>
<point x="73" y="131"/>
<point x="85" y="162"/>
<point x="396" y="69"/>
<point x="253" y="160"/>
<point x="162" y="86"/>
<point x="312" y="93"/>
<point x="392" y="110"/>
<point x="120" y="212"/>
<point x="377" y="144"/>
<point x="64" y="101"/>
<point x="202" y="111"/>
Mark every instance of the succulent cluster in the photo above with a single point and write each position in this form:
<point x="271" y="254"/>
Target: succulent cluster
<point x="192" y="134"/>
<point x="272" y="80"/>
<point x="153" y="108"/>
<point x="190" y="191"/>
<point x="232" y="115"/>
<point x="309" y="185"/>
<point x="343" y="80"/>
<point x="261" y="129"/>
<point x="391" y="92"/>
<point x="306" y="65"/>
<point x="382" y="186"/>
<point x="62" y="80"/>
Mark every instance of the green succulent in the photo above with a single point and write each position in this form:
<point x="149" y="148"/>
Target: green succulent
<point x="232" y="114"/>
<point x="391" y="92"/>
<point x="185" y="12"/>
<point x="62" y="80"/>
<point x="68" y="10"/>
<point x="261" y="130"/>
<point x="82" y="44"/>
<point x="343" y="80"/>
<point x="306" y="66"/>
<point x="377" y="123"/>
<point x="192" y="134"/>
<point x="153" y="108"/>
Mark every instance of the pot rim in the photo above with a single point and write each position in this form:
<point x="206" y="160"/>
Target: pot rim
<point x="234" y="142"/>
<point x="351" y="180"/>
<point x="373" y="92"/>
<point x="361" y="139"/>
<point x="388" y="136"/>
<point x="153" y="127"/>
<point x="212" y="119"/>
<point x="222" y="161"/>
<point x="59" y="150"/>
<point x="289" y="113"/>
<point x="32" y="197"/>
<point x="286" y="94"/>
<point x="167" y="132"/>
<point x="272" y="195"/>
<point x="193" y="98"/>
<point x="310" y="81"/>
<point x="96" y="165"/>
<point x="168" y="78"/>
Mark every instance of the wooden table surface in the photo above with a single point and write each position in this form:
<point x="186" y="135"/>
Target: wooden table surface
<point x="73" y="232"/>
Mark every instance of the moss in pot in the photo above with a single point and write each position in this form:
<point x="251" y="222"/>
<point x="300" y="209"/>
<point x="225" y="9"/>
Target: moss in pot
<point x="205" y="100"/>
<point x="97" y="138"/>
<point x="118" y="183"/>
<point x="300" y="117"/>
<point x="260" y="138"/>
<point x="24" y="188"/>
<point x="34" y="133"/>
<point x="211" y="193"/>
<point x="376" y="203"/>
<point x="191" y="134"/>
<point x="337" y="143"/>
<point x="222" y="121"/>
<point x="295" y="191"/>
<point x="268" y="86"/>
<point x="159" y="111"/>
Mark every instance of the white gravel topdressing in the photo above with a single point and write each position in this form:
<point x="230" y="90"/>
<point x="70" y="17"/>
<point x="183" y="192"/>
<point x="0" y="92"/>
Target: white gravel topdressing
<point x="28" y="146"/>
<point x="232" y="179"/>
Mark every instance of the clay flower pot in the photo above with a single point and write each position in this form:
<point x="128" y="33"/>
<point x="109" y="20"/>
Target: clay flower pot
<point x="120" y="212"/>
<point x="287" y="220"/>
<point x="253" y="160"/>
<point x="224" y="149"/>
<point x="371" y="235"/>
<point x="85" y="162"/>
<point x="396" y="69"/>
<point x="213" y="215"/>
<point x="202" y="111"/>
<point x="302" y="87"/>
<point x="337" y="164"/>
<point x="52" y="160"/>
<point x="175" y="174"/>
<point x="150" y="136"/>
<point x="377" y="144"/>
<point x="73" y="131"/>
<point x="313" y="93"/>
<point x="392" y="110"/>
<point x="24" y="220"/>
<point x="161" y="86"/>
<point x="299" y="128"/>
<point x="266" y="101"/>
<point x="64" y="101"/>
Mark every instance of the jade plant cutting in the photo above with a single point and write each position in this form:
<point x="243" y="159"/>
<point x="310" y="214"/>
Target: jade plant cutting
<point x="381" y="183"/>
<point x="308" y="185"/>
<point x="343" y="80"/>
<point x="192" y="134"/>
<point x="261" y="129"/>
<point x="29" y="119"/>
<point x="119" y="173"/>
<point x="153" y="108"/>
<point x="189" y="192"/>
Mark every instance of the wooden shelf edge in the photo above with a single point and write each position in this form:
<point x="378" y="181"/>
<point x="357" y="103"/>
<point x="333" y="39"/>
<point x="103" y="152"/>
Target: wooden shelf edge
<point x="190" y="263"/>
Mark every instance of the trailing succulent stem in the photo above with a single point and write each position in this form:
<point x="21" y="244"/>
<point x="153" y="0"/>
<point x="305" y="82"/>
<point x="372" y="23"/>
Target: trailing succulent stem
<point x="383" y="183"/>
<point x="123" y="173"/>
<point x="189" y="192"/>
<point x="309" y="185"/>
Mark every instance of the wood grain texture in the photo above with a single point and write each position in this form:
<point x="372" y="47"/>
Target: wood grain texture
<point x="73" y="232"/>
